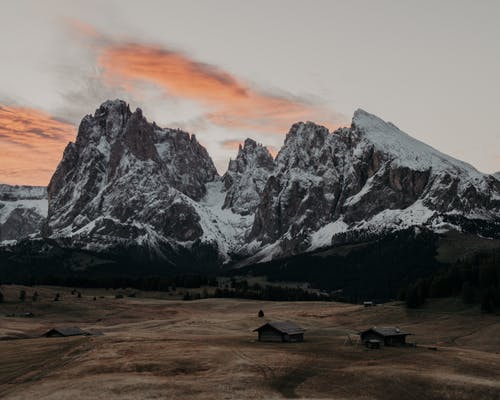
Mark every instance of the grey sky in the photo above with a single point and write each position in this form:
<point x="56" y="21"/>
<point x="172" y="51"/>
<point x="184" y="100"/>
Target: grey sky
<point x="430" y="67"/>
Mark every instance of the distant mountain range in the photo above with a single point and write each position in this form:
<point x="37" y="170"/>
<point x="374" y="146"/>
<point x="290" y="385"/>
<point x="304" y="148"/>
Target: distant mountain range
<point x="128" y="185"/>
<point x="23" y="210"/>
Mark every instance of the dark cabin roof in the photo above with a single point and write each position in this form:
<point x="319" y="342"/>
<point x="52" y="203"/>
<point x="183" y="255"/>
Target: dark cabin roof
<point x="287" y="327"/>
<point x="66" y="331"/>
<point x="386" y="331"/>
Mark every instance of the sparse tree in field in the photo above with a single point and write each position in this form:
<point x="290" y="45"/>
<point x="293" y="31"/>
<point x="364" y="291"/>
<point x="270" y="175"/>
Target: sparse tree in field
<point x="34" y="298"/>
<point x="261" y="314"/>
<point x="1" y="297"/>
<point x="57" y="297"/>
<point x="22" y="295"/>
<point x="95" y="298"/>
<point x="79" y="295"/>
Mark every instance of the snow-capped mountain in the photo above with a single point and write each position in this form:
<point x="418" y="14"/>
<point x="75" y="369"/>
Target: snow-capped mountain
<point x="126" y="182"/>
<point x="22" y="211"/>
<point x="497" y="175"/>
<point x="366" y="180"/>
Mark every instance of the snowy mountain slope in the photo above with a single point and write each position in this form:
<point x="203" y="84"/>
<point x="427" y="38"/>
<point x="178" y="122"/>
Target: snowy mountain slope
<point x="22" y="211"/>
<point x="364" y="180"/>
<point x="496" y="175"/>
<point x="126" y="182"/>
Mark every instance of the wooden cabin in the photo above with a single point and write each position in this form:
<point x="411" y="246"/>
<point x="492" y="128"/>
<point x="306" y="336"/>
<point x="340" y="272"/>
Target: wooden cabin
<point x="280" y="332"/>
<point x="388" y="336"/>
<point x="65" y="332"/>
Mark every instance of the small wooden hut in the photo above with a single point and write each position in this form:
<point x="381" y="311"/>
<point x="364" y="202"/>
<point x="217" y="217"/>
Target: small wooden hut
<point x="388" y="336"/>
<point x="280" y="332"/>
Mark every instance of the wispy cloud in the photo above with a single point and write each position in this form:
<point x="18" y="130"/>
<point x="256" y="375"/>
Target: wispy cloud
<point x="231" y="144"/>
<point x="229" y="101"/>
<point x="31" y="144"/>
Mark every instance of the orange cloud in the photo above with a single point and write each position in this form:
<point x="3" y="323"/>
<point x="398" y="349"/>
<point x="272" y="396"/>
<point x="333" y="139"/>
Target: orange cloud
<point x="81" y="28"/>
<point x="31" y="145"/>
<point x="231" y="144"/>
<point x="231" y="102"/>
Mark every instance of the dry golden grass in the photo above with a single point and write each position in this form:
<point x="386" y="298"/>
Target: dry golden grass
<point x="154" y="348"/>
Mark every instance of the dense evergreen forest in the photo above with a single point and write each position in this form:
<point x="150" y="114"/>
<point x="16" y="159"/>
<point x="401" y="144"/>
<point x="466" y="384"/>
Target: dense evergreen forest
<point x="370" y="271"/>
<point x="476" y="281"/>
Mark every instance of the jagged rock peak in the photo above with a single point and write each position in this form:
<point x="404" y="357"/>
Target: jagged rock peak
<point x="249" y="143"/>
<point x="306" y="131"/>
<point x="246" y="177"/>
<point x="125" y="172"/>
<point x="116" y="104"/>
<point x="251" y="154"/>
<point x="303" y="141"/>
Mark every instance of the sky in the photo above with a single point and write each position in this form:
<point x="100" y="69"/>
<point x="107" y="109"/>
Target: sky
<point x="228" y="70"/>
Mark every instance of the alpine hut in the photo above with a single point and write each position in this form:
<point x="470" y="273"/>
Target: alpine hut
<point x="280" y="332"/>
<point x="388" y="336"/>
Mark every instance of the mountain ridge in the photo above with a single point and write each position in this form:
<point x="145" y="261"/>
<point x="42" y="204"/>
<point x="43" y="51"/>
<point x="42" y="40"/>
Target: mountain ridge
<point x="126" y="182"/>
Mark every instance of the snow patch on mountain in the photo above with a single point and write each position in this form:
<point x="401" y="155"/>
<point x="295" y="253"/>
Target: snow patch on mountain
<point x="221" y="225"/>
<point x="406" y="151"/>
<point x="324" y="235"/>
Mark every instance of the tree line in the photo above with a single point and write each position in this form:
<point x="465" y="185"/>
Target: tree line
<point x="146" y="283"/>
<point x="269" y="292"/>
<point x="476" y="281"/>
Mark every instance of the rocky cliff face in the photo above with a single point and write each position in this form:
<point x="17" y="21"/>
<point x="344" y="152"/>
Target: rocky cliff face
<point x="127" y="182"/>
<point x="368" y="179"/>
<point x="246" y="177"/>
<point x="22" y="211"/>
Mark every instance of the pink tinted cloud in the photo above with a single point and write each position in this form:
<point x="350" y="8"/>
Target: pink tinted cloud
<point x="31" y="144"/>
<point x="230" y="101"/>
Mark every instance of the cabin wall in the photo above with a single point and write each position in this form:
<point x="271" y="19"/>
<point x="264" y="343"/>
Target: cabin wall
<point x="372" y="336"/>
<point x="270" y="336"/>
<point x="295" y="338"/>
<point x="395" y="340"/>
